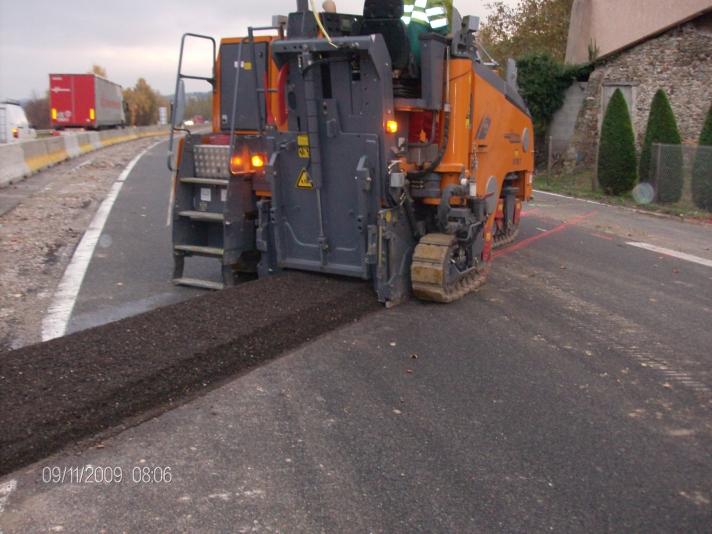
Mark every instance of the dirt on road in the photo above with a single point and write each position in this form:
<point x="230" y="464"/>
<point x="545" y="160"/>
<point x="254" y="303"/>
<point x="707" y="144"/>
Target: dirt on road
<point x="38" y="236"/>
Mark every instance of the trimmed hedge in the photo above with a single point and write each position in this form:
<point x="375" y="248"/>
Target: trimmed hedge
<point x="662" y="128"/>
<point x="702" y="167"/>
<point x="617" y="163"/>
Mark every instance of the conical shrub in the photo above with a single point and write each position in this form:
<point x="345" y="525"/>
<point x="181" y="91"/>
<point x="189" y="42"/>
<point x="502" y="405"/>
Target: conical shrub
<point x="617" y="165"/>
<point x="702" y="167"/>
<point x="663" y="169"/>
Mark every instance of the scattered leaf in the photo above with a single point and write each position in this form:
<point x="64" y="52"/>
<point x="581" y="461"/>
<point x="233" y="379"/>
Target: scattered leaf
<point x="414" y="356"/>
<point x="675" y="271"/>
<point x="409" y="371"/>
<point x="653" y="300"/>
<point x="562" y="267"/>
<point x="393" y="344"/>
<point x="100" y="446"/>
<point x="667" y="385"/>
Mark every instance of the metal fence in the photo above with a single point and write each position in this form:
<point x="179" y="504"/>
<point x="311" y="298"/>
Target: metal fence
<point x="680" y="175"/>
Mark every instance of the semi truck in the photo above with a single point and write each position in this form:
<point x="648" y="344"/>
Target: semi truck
<point x="86" y="101"/>
<point x="13" y="123"/>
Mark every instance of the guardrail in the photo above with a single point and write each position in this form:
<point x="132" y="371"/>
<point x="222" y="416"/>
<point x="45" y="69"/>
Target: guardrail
<point x="19" y="160"/>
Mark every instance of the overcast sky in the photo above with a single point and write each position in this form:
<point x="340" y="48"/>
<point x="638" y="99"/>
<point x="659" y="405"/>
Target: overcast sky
<point x="131" y="39"/>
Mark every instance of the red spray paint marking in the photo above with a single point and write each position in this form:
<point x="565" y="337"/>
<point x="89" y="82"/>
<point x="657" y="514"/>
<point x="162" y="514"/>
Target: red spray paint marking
<point x="525" y="213"/>
<point x="548" y="232"/>
<point x="602" y="237"/>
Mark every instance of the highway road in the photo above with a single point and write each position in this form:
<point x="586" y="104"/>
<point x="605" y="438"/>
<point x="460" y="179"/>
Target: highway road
<point x="573" y="393"/>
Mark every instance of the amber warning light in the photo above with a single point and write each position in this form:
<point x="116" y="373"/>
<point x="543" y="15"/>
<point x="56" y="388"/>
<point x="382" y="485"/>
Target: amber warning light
<point x="391" y="126"/>
<point x="257" y="161"/>
<point x="236" y="164"/>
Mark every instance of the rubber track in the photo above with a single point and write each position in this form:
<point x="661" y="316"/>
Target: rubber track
<point x="427" y="271"/>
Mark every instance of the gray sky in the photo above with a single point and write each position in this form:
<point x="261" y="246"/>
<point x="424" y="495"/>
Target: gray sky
<point x="131" y="39"/>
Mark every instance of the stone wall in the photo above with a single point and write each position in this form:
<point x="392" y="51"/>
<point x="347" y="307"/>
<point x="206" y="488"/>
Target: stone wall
<point x="678" y="61"/>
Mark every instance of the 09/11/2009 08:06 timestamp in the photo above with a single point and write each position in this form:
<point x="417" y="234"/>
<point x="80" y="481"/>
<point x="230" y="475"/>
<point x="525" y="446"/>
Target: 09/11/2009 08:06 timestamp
<point x="89" y="474"/>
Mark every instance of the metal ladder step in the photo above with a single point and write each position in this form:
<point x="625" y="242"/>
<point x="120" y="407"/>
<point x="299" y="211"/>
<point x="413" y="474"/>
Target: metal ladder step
<point x="202" y="216"/>
<point x="202" y="251"/>
<point x="204" y="181"/>
<point x="194" y="282"/>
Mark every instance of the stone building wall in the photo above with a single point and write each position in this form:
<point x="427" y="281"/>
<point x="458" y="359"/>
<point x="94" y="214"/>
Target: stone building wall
<point x="678" y="61"/>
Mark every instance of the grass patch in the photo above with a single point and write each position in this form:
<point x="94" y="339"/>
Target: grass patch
<point x="578" y="185"/>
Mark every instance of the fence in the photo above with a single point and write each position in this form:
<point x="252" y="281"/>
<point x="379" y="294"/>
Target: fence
<point x="680" y="175"/>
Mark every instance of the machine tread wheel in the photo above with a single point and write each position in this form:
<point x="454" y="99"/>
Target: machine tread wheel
<point x="430" y="270"/>
<point x="505" y="239"/>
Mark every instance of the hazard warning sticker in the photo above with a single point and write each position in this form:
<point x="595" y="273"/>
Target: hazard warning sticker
<point x="303" y="144"/>
<point x="304" y="182"/>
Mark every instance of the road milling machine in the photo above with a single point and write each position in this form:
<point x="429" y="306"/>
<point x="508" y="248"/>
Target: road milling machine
<point x="333" y="151"/>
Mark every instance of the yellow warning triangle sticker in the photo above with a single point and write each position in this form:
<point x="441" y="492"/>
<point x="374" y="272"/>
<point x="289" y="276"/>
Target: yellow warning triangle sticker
<point x="304" y="182"/>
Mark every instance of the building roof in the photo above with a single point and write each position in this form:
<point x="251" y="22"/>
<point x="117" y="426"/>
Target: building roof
<point x="615" y="25"/>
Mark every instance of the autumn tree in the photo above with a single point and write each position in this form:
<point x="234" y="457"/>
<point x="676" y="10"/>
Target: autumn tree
<point x="531" y="26"/>
<point x="37" y="111"/>
<point x="98" y="70"/>
<point x="143" y="104"/>
<point x="199" y="104"/>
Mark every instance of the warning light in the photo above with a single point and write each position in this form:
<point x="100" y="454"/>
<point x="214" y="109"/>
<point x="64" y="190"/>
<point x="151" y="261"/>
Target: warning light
<point x="14" y="133"/>
<point x="54" y="114"/>
<point x="236" y="165"/>
<point x="391" y="126"/>
<point x="257" y="161"/>
<point x="91" y="113"/>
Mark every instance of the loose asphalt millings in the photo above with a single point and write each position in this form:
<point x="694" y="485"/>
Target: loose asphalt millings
<point x="57" y="393"/>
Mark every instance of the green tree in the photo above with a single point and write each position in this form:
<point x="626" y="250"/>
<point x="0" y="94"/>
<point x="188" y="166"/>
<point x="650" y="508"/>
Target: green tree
<point x="531" y="26"/>
<point x="662" y="128"/>
<point x="143" y="104"/>
<point x="702" y="167"/>
<point x="38" y="112"/>
<point x="617" y="165"/>
<point x="542" y="81"/>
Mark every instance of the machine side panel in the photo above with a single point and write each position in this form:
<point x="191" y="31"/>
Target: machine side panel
<point x="500" y="137"/>
<point x="246" y="117"/>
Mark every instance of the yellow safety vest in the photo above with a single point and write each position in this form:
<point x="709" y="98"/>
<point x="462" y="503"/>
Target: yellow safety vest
<point x="433" y="13"/>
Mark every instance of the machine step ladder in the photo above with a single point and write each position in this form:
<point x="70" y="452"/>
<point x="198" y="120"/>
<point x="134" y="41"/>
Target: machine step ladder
<point x="199" y="211"/>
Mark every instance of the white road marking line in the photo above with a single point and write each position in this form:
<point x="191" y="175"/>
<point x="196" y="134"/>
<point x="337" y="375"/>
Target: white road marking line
<point x="673" y="253"/>
<point x="572" y="198"/>
<point x="5" y="490"/>
<point x="57" y="317"/>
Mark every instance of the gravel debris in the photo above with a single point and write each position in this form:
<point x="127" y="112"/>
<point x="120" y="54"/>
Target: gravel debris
<point x="39" y="235"/>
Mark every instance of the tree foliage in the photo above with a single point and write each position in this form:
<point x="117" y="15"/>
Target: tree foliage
<point x="542" y="82"/>
<point x="531" y="26"/>
<point x="37" y="111"/>
<point x="143" y="104"/>
<point x="199" y="104"/>
<point x="98" y="70"/>
<point x="702" y="167"/>
<point x="662" y="128"/>
<point x="617" y="165"/>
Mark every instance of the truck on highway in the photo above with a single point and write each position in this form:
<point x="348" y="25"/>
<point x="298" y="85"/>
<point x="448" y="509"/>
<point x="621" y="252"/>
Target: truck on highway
<point x="13" y="123"/>
<point x="86" y="101"/>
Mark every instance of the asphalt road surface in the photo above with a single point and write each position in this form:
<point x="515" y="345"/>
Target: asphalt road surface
<point x="573" y="393"/>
